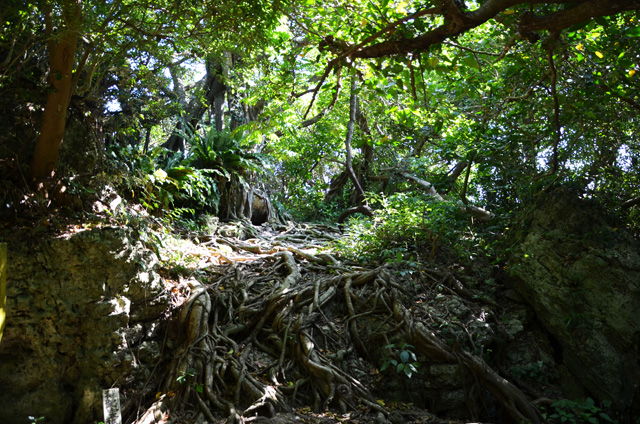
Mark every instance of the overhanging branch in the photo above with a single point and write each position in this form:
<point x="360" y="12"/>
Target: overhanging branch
<point x="457" y="22"/>
<point x="581" y="12"/>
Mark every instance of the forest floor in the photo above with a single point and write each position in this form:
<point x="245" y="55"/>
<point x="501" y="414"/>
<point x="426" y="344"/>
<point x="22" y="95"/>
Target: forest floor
<point x="270" y="326"/>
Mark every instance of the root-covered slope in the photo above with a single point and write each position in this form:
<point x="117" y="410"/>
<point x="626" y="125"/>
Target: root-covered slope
<point x="278" y="328"/>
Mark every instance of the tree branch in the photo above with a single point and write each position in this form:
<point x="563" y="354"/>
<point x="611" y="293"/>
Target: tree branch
<point x="627" y="100"/>
<point x="327" y="70"/>
<point x="350" y="129"/>
<point x="581" y="12"/>
<point x="457" y="22"/>
<point x="326" y="110"/>
<point x="631" y="202"/>
<point x="556" y="106"/>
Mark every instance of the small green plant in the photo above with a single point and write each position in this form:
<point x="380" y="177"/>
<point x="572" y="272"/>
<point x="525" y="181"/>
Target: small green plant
<point x="405" y="266"/>
<point x="35" y="420"/>
<point x="403" y="359"/>
<point x="579" y="412"/>
<point x="187" y="378"/>
<point x="533" y="371"/>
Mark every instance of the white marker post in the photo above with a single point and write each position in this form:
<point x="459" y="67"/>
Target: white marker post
<point x="3" y="287"/>
<point x="111" y="406"/>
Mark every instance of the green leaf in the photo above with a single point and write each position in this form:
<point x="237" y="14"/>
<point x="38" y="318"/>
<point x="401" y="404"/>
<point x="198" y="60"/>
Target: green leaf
<point x="633" y="32"/>
<point x="432" y="62"/>
<point x="578" y="26"/>
<point x="602" y="20"/>
<point x="605" y="417"/>
<point x="471" y="62"/>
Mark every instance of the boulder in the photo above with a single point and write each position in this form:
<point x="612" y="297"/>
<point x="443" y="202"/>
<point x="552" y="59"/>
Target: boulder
<point x="81" y="310"/>
<point x="580" y="271"/>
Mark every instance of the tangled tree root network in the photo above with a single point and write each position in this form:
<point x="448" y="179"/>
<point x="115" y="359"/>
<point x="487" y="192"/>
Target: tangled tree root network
<point x="279" y="328"/>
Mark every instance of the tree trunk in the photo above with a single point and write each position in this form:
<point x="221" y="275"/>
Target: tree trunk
<point x="353" y="102"/>
<point x="214" y="92"/>
<point x="61" y="60"/>
<point x="217" y="92"/>
<point x="364" y="167"/>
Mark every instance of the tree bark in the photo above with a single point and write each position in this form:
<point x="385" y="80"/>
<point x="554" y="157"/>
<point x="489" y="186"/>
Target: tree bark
<point x="478" y="213"/>
<point x="350" y="128"/>
<point x="363" y="209"/>
<point x="364" y="169"/>
<point x="61" y="60"/>
<point x="581" y="12"/>
<point x="631" y="202"/>
<point x="214" y="92"/>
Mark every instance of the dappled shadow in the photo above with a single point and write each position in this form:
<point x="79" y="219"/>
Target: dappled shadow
<point x="272" y="324"/>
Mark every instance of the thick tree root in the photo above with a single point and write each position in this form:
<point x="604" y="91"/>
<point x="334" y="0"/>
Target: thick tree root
<point x="295" y="328"/>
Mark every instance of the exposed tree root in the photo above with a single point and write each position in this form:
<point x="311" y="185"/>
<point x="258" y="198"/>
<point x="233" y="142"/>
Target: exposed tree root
<point x="294" y="328"/>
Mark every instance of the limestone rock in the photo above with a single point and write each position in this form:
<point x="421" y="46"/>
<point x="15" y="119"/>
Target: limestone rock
<point x="79" y="307"/>
<point x="581" y="275"/>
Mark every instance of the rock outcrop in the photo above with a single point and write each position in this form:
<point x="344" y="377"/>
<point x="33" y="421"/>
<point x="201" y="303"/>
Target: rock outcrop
<point x="581" y="275"/>
<point x="81" y="313"/>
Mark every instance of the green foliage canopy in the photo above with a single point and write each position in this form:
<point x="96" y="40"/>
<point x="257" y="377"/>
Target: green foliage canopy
<point x="490" y="101"/>
<point x="527" y="95"/>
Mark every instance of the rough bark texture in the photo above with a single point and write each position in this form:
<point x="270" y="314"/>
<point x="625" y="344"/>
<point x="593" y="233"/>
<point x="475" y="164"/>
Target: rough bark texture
<point x="214" y="94"/>
<point x="62" y="58"/>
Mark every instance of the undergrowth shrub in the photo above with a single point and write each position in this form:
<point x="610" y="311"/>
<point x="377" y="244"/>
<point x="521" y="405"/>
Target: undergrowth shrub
<point x="220" y="152"/>
<point x="412" y="226"/>
<point x="586" y="411"/>
<point x="171" y="184"/>
<point x="310" y="206"/>
<point x="161" y="180"/>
